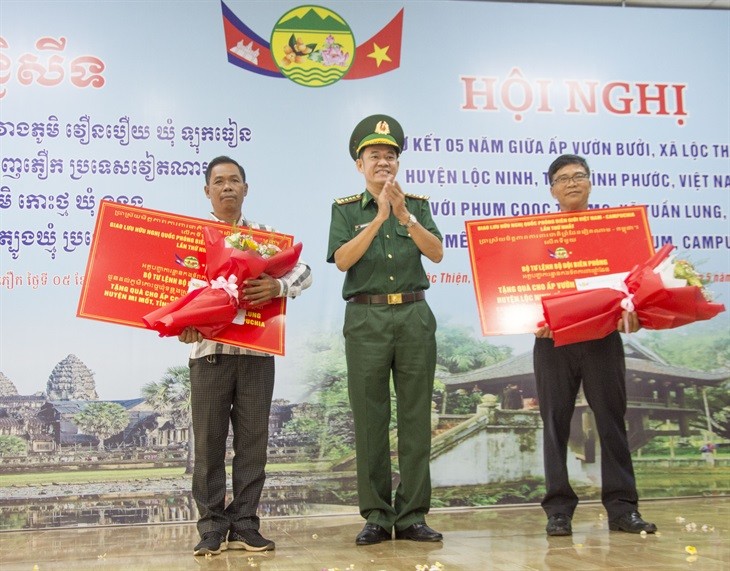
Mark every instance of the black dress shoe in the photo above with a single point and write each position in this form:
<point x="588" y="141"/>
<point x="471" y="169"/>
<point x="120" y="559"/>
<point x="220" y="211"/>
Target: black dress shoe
<point x="419" y="532"/>
<point x="372" y="533"/>
<point x="631" y="522"/>
<point x="559" y="524"/>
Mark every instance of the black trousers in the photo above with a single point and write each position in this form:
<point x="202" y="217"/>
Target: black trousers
<point x="559" y="371"/>
<point x="235" y="390"/>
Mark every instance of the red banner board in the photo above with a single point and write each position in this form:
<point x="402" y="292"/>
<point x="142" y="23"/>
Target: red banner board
<point x="516" y="261"/>
<point x="142" y="259"/>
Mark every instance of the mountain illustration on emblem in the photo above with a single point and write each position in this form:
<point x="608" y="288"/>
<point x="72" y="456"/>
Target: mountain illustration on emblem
<point x="313" y="21"/>
<point x="313" y="48"/>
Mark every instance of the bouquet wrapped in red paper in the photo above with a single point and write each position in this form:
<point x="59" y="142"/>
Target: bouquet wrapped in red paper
<point x="278" y="261"/>
<point x="663" y="294"/>
<point x="213" y="307"/>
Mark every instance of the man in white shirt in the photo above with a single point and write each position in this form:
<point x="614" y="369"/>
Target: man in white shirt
<point x="233" y="385"/>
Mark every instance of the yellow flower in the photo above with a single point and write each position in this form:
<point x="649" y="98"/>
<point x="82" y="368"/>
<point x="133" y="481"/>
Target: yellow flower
<point x="684" y="270"/>
<point x="241" y="241"/>
<point x="691" y="549"/>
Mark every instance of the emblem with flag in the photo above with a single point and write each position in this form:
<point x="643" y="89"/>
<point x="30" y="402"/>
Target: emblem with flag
<point x="378" y="55"/>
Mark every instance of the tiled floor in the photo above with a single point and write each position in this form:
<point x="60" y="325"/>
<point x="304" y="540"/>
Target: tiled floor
<point x="510" y="538"/>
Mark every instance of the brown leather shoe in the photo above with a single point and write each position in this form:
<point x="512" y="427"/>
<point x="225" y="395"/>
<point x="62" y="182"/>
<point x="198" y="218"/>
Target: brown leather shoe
<point x="631" y="522"/>
<point x="419" y="532"/>
<point x="372" y="533"/>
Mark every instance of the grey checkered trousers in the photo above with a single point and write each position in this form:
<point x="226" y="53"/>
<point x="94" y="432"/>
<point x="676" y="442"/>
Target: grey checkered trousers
<point x="236" y="389"/>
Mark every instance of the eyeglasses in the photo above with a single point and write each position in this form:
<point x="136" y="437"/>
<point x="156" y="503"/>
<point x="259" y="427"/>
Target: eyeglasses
<point x="565" y="179"/>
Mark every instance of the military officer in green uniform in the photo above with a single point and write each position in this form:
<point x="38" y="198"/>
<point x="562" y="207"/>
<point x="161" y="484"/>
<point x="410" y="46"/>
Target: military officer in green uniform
<point x="378" y="237"/>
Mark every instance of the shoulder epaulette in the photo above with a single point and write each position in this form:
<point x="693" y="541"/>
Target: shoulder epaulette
<point x="417" y="196"/>
<point x="349" y="199"/>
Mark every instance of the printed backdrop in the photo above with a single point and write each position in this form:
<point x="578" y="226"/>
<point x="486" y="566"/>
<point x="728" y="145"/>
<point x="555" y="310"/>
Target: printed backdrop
<point x="128" y="101"/>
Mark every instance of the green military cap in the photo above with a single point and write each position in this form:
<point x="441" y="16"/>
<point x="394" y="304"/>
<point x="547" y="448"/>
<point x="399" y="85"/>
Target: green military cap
<point x="376" y="130"/>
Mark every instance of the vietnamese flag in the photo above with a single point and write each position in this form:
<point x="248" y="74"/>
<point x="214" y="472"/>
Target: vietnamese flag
<point x="381" y="53"/>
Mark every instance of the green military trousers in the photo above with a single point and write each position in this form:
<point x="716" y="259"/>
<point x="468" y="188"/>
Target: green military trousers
<point x="380" y="339"/>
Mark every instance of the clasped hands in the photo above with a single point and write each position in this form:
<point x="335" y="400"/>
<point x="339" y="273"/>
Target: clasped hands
<point x="392" y="197"/>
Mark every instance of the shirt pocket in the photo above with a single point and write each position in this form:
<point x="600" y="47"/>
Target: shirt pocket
<point x="375" y="247"/>
<point x="405" y="242"/>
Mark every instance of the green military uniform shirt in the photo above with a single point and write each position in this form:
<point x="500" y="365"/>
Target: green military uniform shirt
<point x="392" y="262"/>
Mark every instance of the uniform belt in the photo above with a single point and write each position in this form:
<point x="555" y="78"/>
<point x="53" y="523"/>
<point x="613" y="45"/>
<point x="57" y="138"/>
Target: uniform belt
<point x="389" y="298"/>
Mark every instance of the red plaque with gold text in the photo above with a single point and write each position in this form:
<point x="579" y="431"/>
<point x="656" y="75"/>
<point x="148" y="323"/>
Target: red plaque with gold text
<point x="143" y="259"/>
<point x="516" y="261"/>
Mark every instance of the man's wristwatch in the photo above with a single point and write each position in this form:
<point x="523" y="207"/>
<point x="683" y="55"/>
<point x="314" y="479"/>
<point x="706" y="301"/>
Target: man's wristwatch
<point x="411" y="221"/>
